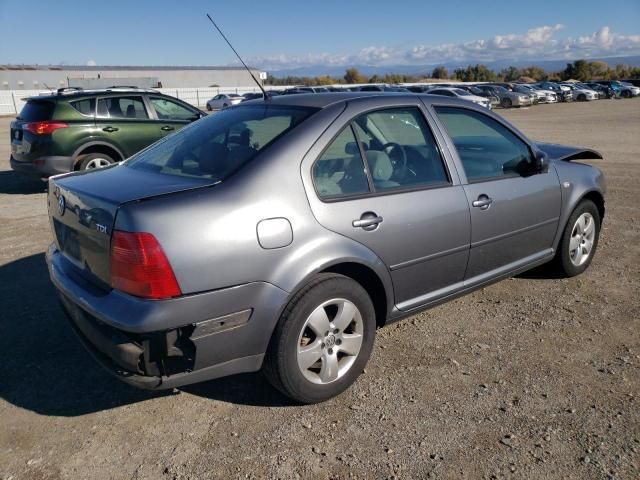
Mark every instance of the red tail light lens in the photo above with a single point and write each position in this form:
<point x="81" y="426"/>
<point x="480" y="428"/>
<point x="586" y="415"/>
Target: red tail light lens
<point x="43" y="128"/>
<point x="140" y="267"/>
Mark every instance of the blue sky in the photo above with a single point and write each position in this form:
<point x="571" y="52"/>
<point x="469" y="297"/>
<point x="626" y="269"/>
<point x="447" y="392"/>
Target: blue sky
<point x="286" y="34"/>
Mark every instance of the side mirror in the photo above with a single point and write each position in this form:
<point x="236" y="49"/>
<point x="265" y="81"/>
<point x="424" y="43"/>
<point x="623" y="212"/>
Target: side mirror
<point x="540" y="162"/>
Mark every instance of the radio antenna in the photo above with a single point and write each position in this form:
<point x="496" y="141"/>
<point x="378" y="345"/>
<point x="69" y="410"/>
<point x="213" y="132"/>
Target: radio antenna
<point x="264" y="92"/>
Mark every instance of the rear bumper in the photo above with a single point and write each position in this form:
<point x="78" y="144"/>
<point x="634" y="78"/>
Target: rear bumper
<point x="167" y="343"/>
<point x="43" y="167"/>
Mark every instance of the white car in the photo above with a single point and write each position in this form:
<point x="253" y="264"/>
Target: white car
<point x="543" y="96"/>
<point x="460" y="93"/>
<point x="580" y="94"/>
<point x="223" y="100"/>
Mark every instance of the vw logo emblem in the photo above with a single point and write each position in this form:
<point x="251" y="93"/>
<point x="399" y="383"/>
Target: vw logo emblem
<point x="61" y="205"/>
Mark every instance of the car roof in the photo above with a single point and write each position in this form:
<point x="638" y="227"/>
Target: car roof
<point x="77" y="93"/>
<point x="323" y="100"/>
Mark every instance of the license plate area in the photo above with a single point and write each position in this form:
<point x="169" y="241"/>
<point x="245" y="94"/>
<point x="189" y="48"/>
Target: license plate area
<point x="68" y="240"/>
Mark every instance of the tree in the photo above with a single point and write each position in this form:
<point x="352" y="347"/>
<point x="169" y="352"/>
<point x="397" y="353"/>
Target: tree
<point x="352" y="75"/>
<point x="534" y="72"/>
<point x="510" y="74"/>
<point x="477" y="73"/>
<point x="578" y="70"/>
<point x="440" y="73"/>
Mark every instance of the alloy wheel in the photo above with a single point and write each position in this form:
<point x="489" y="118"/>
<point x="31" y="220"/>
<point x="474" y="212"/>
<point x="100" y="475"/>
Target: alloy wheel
<point x="330" y="341"/>
<point x="97" y="163"/>
<point x="582" y="238"/>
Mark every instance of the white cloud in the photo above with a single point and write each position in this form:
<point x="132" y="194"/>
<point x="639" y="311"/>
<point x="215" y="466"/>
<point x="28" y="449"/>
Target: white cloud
<point x="91" y="63"/>
<point x="540" y="43"/>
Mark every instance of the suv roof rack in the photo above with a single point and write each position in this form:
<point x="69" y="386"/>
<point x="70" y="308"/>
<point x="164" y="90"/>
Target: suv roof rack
<point x="130" y="87"/>
<point x="63" y="90"/>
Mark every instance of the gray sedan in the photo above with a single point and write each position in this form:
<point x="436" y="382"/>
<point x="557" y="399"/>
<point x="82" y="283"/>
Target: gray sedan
<point x="279" y="234"/>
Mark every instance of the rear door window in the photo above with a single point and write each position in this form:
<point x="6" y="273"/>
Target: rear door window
<point x="37" y="111"/>
<point x="85" y="107"/>
<point x="129" y="107"/>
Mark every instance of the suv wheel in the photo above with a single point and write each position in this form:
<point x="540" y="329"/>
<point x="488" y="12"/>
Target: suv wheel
<point x="323" y="340"/>
<point x="95" y="160"/>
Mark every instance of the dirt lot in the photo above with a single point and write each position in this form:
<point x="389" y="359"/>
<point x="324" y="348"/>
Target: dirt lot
<point x="530" y="378"/>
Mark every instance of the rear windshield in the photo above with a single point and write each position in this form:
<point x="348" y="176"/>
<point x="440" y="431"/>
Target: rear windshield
<point x="220" y="144"/>
<point x="37" y="111"/>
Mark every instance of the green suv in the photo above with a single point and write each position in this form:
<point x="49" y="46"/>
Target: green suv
<point x="77" y="129"/>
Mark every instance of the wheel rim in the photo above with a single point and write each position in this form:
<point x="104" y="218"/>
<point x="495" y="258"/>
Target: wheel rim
<point x="97" y="163"/>
<point x="582" y="238"/>
<point x="330" y="341"/>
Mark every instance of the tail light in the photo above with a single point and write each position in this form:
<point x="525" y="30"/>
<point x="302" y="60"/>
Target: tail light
<point x="43" y="128"/>
<point x="140" y="267"/>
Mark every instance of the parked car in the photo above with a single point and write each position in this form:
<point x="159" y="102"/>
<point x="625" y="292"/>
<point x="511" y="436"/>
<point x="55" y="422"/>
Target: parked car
<point x="383" y="88"/>
<point x="223" y="100"/>
<point x="622" y="90"/>
<point x="633" y="81"/>
<point x="257" y="238"/>
<point x="580" y="93"/>
<point x="77" y="129"/>
<point x="462" y="94"/>
<point x="541" y="96"/>
<point x="628" y="90"/>
<point x="255" y="95"/>
<point x="507" y="99"/>
<point x="604" y="91"/>
<point x="493" y="99"/>
<point x="563" y="92"/>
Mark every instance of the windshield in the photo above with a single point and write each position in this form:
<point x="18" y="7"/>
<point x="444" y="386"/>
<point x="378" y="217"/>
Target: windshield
<point x="219" y="145"/>
<point x="500" y="89"/>
<point x="461" y="93"/>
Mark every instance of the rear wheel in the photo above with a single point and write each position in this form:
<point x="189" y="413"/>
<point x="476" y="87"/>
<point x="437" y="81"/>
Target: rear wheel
<point x="323" y="340"/>
<point x="95" y="160"/>
<point x="582" y="97"/>
<point x="626" y="94"/>
<point x="579" y="240"/>
<point x="506" y="103"/>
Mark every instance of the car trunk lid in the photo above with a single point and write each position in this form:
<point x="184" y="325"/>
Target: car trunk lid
<point x="83" y="208"/>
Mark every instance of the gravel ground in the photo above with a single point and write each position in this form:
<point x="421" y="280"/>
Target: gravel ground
<point x="529" y="378"/>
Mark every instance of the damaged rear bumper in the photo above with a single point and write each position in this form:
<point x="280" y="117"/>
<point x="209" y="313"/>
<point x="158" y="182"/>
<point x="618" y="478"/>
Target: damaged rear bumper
<point x="158" y="344"/>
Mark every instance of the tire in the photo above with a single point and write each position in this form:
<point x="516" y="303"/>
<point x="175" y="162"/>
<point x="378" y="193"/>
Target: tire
<point x="208" y="107"/>
<point x="224" y="105"/>
<point x="582" y="97"/>
<point x="626" y="94"/>
<point x="95" y="160"/>
<point x="565" y="262"/>
<point x="315" y="308"/>
<point x="506" y="103"/>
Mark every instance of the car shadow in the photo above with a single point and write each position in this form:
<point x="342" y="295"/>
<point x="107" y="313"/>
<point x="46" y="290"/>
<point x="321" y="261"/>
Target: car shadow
<point x="13" y="183"/>
<point x="47" y="370"/>
<point x="542" y="272"/>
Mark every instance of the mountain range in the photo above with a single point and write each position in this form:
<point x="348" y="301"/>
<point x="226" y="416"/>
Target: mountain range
<point x="369" y="70"/>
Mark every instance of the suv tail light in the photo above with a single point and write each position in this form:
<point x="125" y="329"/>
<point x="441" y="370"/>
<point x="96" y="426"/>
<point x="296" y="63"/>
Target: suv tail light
<point x="43" y="128"/>
<point x="140" y="267"/>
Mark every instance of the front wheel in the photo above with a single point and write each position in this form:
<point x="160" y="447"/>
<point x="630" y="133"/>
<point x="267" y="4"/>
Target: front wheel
<point x="579" y="240"/>
<point x="506" y="103"/>
<point x="208" y="107"/>
<point x="323" y="340"/>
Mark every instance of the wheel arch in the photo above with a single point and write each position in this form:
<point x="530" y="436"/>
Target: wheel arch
<point x="597" y="198"/>
<point x="96" y="147"/>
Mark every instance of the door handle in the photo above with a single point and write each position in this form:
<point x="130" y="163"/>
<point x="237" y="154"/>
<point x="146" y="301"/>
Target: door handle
<point x="483" y="202"/>
<point x="367" y="221"/>
<point x="110" y="129"/>
<point x="167" y="128"/>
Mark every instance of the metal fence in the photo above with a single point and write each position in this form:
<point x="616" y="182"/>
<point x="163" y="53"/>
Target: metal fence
<point x="12" y="101"/>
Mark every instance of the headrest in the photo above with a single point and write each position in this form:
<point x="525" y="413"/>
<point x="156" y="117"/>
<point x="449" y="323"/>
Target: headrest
<point x="379" y="164"/>
<point x="213" y="158"/>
